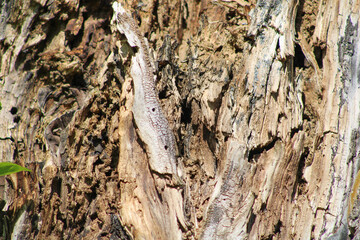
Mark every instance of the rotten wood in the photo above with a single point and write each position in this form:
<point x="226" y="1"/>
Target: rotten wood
<point x="262" y="99"/>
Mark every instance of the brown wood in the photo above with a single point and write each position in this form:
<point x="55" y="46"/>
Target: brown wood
<point x="262" y="99"/>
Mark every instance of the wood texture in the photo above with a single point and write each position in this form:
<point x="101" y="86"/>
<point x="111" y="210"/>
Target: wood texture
<point x="262" y="99"/>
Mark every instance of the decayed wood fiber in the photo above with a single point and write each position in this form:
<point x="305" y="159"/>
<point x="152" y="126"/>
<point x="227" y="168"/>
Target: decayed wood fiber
<point x="262" y="98"/>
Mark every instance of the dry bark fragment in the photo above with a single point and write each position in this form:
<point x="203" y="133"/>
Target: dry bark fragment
<point x="266" y="152"/>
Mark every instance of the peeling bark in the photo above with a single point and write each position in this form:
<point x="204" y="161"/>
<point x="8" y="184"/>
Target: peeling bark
<point x="261" y="98"/>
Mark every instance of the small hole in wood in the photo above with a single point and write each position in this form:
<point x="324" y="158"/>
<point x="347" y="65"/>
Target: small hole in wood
<point x="153" y="109"/>
<point x="166" y="147"/>
<point x="13" y="110"/>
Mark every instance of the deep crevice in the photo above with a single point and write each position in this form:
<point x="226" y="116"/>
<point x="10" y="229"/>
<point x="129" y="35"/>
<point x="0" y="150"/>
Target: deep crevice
<point x="299" y="59"/>
<point x="299" y="15"/>
<point x="155" y="19"/>
<point x="78" y="81"/>
<point x="251" y="222"/>
<point x="255" y="153"/>
<point x="89" y="60"/>
<point x="115" y="157"/>
<point x="318" y="52"/>
<point x="90" y="196"/>
<point x="277" y="227"/>
<point x="299" y="175"/>
<point x="263" y="207"/>
<point x="210" y="138"/>
<point x="74" y="41"/>
<point x="295" y="130"/>
<point x="56" y="186"/>
<point x="186" y="112"/>
<point x="162" y="93"/>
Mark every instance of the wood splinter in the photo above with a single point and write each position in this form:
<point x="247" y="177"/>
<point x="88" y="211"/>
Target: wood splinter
<point x="153" y="127"/>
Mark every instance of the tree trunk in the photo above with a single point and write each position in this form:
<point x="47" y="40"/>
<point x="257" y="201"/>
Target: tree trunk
<point x="256" y="130"/>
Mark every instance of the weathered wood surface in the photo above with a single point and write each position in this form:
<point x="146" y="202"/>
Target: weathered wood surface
<point x="262" y="98"/>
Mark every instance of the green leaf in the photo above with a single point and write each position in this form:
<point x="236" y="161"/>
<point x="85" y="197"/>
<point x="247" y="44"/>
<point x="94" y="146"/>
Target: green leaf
<point x="7" y="168"/>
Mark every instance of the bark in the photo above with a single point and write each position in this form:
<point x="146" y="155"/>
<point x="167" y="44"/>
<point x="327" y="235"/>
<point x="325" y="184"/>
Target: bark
<point x="262" y="99"/>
